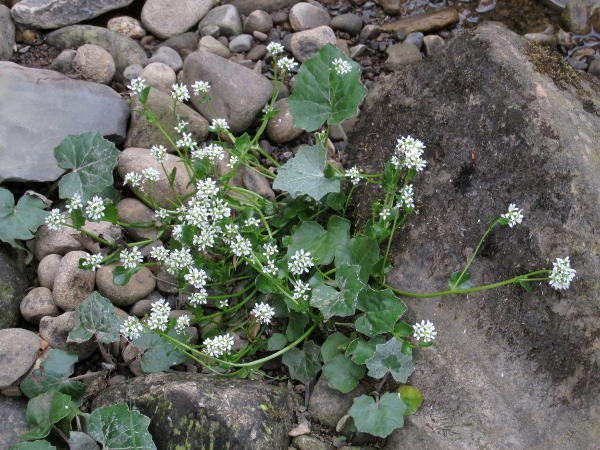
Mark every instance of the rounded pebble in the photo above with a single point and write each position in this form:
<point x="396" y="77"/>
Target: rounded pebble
<point x="37" y="304"/>
<point x="47" y="270"/>
<point x="72" y="285"/>
<point x="139" y="286"/>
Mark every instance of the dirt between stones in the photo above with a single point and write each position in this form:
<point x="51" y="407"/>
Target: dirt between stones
<point x="510" y="369"/>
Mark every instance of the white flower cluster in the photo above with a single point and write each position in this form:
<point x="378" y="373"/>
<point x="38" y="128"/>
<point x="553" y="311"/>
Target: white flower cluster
<point x="406" y="197"/>
<point x="55" y="220"/>
<point x="198" y="298"/>
<point x="301" y="290"/>
<point x="300" y="263"/>
<point x="74" y="203"/>
<point x="201" y="87"/>
<point x="159" y="317"/>
<point x="180" y="92"/>
<point x="385" y="213"/>
<point x="130" y="259"/>
<point x="354" y="175"/>
<point x="219" y="345"/>
<point x="212" y="152"/>
<point x="341" y="66"/>
<point x="93" y="262"/>
<point x="186" y="141"/>
<point x="408" y="154"/>
<point x="275" y="48"/>
<point x="424" y="331"/>
<point x="137" y="86"/>
<point x="514" y="215"/>
<point x="159" y="153"/>
<point x="95" y="208"/>
<point x="562" y="273"/>
<point x="182" y="322"/>
<point x="286" y="64"/>
<point x="219" y="125"/>
<point x="263" y="313"/>
<point x="131" y="328"/>
<point x="269" y="267"/>
<point x="197" y="278"/>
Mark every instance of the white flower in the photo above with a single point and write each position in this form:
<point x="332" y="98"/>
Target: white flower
<point x="180" y="92"/>
<point x="275" y="48"/>
<point x="93" y="262"/>
<point x="301" y="290"/>
<point x="354" y="175"/>
<point x="207" y="188"/>
<point x="300" y="262"/>
<point x="219" y="209"/>
<point x="137" y="86"/>
<point x="95" y="208"/>
<point x="198" y="298"/>
<point x="406" y="197"/>
<point x="268" y="109"/>
<point x="180" y="127"/>
<point x="270" y="250"/>
<point x="131" y="259"/>
<point x="286" y="64"/>
<point x="201" y="87"/>
<point x="241" y="246"/>
<point x="424" y="331"/>
<point x="206" y="237"/>
<point x="159" y="153"/>
<point x="252" y="222"/>
<point x="55" y="220"/>
<point x="562" y="274"/>
<point x="131" y="328"/>
<point x="514" y="215"/>
<point x="151" y="174"/>
<point x="162" y="213"/>
<point x="74" y="203"/>
<point x="219" y="125"/>
<point x="219" y="345"/>
<point x="385" y="213"/>
<point x="159" y="253"/>
<point x="269" y="268"/>
<point x="233" y="160"/>
<point x="179" y="260"/>
<point x="159" y="317"/>
<point x="182" y="322"/>
<point x="263" y="313"/>
<point x="222" y="303"/>
<point x="133" y="179"/>
<point x="185" y="141"/>
<point x="196" y="277"/>
<point x="410" y="150"/>
<point x="341" y="66"/>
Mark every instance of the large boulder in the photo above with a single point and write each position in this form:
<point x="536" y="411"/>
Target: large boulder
<point x="208" y="411"/>
<point x="51" y="106"/>
<point x="510" y="369"/>
<point x="167" y="18"/>
<point x="13" y="283"/>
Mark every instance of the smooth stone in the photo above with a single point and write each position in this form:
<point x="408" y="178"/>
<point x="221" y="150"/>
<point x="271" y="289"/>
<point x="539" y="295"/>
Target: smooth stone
<point x="348" y="23"/>
<point x="280" y="128"/>
<point x="144" y="134"/>
<point x="132" y="210"/>
<point x="18" y="352"/>
<point x="306" y="442"/>
<point x="55" y="331"/>
<point x="256" y="53"/>
<point x="167" y="18"/>
<point x="245" y="7"/>
<point x="415" y="38"/>
<point x="72" y="285"/>
<point x="128" y="26"/>
<point x="429" y="21"/>
<point x="50" y="14"/>
<point x="165" y="282"/>
<point x="595" y="19"/>
<point x="13" y="282"/>
<point x="402" y="54"/>
<point x="168" y="56"/>
<point x="141" y="308"/>
<point x="137" y="159"/>
<point x="576" y="17"/>
<point x="548" y="40"/>
<point x="484" y="6"/>
<point x="304" y="44"/>
<point x="211" y="45"/>
<point x="237" y="94"/>
<point x="211" y="412"/>
<point x="124" y="50"/>
<point x="391" y="7"/>
<point x="159" y="76"/>
<point x="357" y="51"/>
<point x="83" y="107"/>
<point x="47" y="270"/>
<point x="186" y="42"/>
<point x="241" y="43"/>
<point x="262" y="37"/>
<point x="132" y="71"/>
<point x="594" y="68"/>
<point x="140" y="285"/>
<point x="94" y="64"/>
<point x="226" y="17"/>
<point x="258" y="184"/>
<point x="370" y="32"/>
<point x="258" y="21"/>
<point x="63" y="63"/>
<point x="328" y="405"/>
<point x="7" y="34"/>
<point x="433" y="44"/>
<point x="37" y="304"/>
<point x="13" y="421"/>
<point x="306" y="16"/>
<point x="210" y="30"/>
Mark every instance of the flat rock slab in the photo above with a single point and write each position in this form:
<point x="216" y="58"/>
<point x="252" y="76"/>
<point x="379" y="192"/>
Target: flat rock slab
<point x="13" y="422"/>
<point x="50" y="107"/>
<point x="509" y="369"/>
<point x="199" y="411"/>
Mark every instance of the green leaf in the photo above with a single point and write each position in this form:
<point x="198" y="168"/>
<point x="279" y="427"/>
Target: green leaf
<point x="21" y="221"/>
<point x="296" y="326"/>
<point x="333" y="346"/>
<point x="81" y="441"/>
<point x="95" y="315"/>
<point x="320" y="243"/>
<point x="160" y="354"/>
<point x="526" y="285"/>
<point x="382" y="311"/>
<point x="35" y="445"/>
<point x="412" y="398"/>
<point x="116" y="427"/>
<point x="121" y="275"/>
<point x="264" y="284"/>
<point x="403" y="330"/>
<point x="53" y="373"/>
<point x="304" y="365"/>
<point x="321" y="95"/>
<point x="44" y="411"/>
<point x="90" y="159"/>
<point x="388" y="357"/>
<point x="342" y="301"/>
<point x="343" y="374"/>
<point x="336" y="201"/>
<point x="361" y="351"/>
<point x="360" y="251"/>
<point x="378" y="419"/>
<point x="276" y="342"/>
<point x="304" y="174"/>
<point x="465" y="280"/>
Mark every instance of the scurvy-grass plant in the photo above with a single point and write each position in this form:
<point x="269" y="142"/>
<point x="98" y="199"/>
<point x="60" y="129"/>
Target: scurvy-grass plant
<point x="264" y="278"/>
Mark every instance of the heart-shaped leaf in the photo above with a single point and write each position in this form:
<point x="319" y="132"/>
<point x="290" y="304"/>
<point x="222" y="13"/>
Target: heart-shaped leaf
<point x="95" y="315"/>
<point x="321" y="244"/>
<point x="412" y="398"/>
<point x="457" y="281"/>
<point x="160" y="354"/>
<point x="22" y="221"/>
<point x="341" y="301"/>
<point x="304" y="365"/>
<point x="382" y="309"/>
<point x="388" y="357"/>
<point x="378" y="419"/>
<point x="359" y="251"/>
<point x="117" y="427"/>
<point x="44" y="411"/>
<point x="343" y="374"/>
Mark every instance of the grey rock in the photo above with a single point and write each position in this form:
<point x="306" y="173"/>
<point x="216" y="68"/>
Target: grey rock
<point x="18" y="352"/>
<point x="137" y="159"/>
<point x="245" y="7"/>
<point x="94" y="64"/>
<point x="72" y="285"/>
<point x="328" y="405"/>
<point x="226" y="17"/>
<point x="55" y="331"/>
<point x="256" y="53"/>
<point x="208" y="411"/>
<point x="143" y="134"/>
<point x="595" y="19"/>
<point x="349" y="23"/>
<point x="576" y="17"/>
<point x="415" y="38"/>
<point x="258" y="21"/>
<point x="542" y="39"/>
<point x="7" y="34"/>
<point x="13" y="421"/>
<point x="237" y="94"/>
<point x="514" y="369"/>
<point x="165" y="282"/>
<point x="168" y="56"/>
<point x="391" y="7"/>
<point x="128" y="26"/>
<point x="241" y="43"/>
<point x="357" y="51"/>
<point x="262" y="37"/>
<point x="258" y="184"/>
<point x="13" y="283"/>
<point x="47" y="270"/>
<point x="124" y="50"/>
<point x="160" y="76"/>
<point x="306" y="16"/>
<point x="132" y="210"/>
<point x="433" y="44"/>
<point x="167" y="18"/>
<point x="370" y="32"/>
<point x="304" y="44"/>
<point x="140" y="285"/>
<point x="210" y="30"/>
<point x="594" y="68"/>
<point x="186" y="42"/>
<point x="436" y="19"/>
<point x="402" y="54"/>
<point x="32" y="131"/>
<point x="306" y="442"/>
<point x="63" y="63"/>
<point x="37" y="304"/>
<point x="211" y="45"/>
<point x="280" y="128"/>
<point x="50" y="14"/>
<point x="141" y="308"/>
<point x="132" y="71"/>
